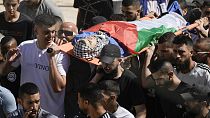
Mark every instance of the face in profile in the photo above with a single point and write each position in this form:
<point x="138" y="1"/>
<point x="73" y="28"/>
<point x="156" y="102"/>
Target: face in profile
<point x="165" y="52"/>
<point x="11" y="7"/>
<point x="31" y="104"/>
<point x="199" y="55"/>
<point x="161" y="79"/>
<point x="130" y="12"/>
<point x="82" y="104"/>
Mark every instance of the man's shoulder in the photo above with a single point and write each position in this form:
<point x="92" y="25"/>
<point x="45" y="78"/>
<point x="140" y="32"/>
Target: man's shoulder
<point x="123" y="113"/>
<point x="24" y="17"/>
<point x="46" y="114"/>
<point x="128" y="73"/>
<point x="202" y="67"/>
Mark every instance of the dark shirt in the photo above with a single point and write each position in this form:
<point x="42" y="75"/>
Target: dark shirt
<point x="21" y="30"/>
<point x="131" y="94"/>
<point x="11" y="81"/>
<point x="172" y="105"/>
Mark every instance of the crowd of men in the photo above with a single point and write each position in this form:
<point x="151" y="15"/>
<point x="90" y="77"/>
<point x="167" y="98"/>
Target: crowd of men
<point x="170" y="79"/>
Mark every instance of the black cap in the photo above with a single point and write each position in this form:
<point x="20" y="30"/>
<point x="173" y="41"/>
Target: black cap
<point x="109" y="53"/>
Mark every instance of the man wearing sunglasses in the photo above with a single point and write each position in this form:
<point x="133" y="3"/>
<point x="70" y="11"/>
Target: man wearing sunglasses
<point x="202" y="51"/>
<point x="67" y="31"/>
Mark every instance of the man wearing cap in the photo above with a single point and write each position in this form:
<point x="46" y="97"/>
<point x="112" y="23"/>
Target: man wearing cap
<point x="131" y="95"/>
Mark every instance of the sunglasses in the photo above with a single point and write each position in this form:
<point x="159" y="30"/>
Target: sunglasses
<point x="67" y="33"/>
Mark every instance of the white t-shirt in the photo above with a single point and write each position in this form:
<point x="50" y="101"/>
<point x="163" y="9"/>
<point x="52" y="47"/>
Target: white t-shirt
<point x="122" y="113"/>
<point x="199" y="77"/>
<point x="35" y="68"/>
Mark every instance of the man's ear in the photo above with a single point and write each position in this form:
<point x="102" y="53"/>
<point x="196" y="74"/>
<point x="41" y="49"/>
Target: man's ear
<point x="35" y="29"/>
<point x="204" y="103"/>
<point x="113" y="97"/>
<point x="170" y="74"/>
<point x="19" y="101"/>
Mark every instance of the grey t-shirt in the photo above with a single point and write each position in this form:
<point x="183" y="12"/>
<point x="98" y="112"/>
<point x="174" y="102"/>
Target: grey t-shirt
<point x="7" y="102"/>
<point x="42" y="114"/>
<point x="46" y="6"/>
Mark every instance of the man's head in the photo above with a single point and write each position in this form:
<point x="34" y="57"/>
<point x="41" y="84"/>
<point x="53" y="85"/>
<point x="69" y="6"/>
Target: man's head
<point x="131" y="9"/>
<point x="45" y="28"/>
<point x="32" y="3"/>
<point x="67" y="31"/>
<point x="196" y="104"/>
<point x="165" y="46"/>
<point x="29" y="98"/>
<point x="162" y="72"/>
<point x="206" y="9"/>
<point x="183" y="49"/>
<point x="11" y="7"/>
<point x="7" y="43"/>
<point x="90" y="97"/>
<point x="202" y="50"/>
<point x="111" y="90"/>
<point x="110" y="58"/>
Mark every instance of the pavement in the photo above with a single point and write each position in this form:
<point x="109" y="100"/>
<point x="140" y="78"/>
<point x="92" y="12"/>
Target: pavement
<point x="66" y="6"/>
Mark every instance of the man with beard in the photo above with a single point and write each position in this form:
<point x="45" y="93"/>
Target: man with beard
<point x="190" y="72"/>
<point x="202" y="51"/>
<point x="90" y="101"/>
<point x="163" y="51"/>
<point x="131" y="95"/>
<point x="29" y="99"/>
<point x="168" y="88"/>
<point x="46" y="70"/>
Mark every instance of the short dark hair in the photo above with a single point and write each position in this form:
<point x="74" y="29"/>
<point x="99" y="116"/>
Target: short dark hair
<point x="166" y="37"/>
<point x="58" y="19"/>
<point x="183" y="39"/>
<point x="4" y="41"/>
<point x="160" y="65"/>
<point x="135" y="3"/>
<point x="17" y="0"/>
<point x="45" y="19"/>
<point x="109" y="86"/>
<point x="28" y="88"/>
<point x="92" y="93"/>
<point x="205" y="41"/>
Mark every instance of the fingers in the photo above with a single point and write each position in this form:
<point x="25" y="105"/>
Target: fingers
<point x="13" y="54"/>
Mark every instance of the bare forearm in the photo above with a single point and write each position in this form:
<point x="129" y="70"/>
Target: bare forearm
<point x="140" y="111"/>
<point x="58" y="82"/>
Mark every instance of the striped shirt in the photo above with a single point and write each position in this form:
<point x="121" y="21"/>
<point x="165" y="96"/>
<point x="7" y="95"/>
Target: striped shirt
<point x="199" y="77"/>
<point x="107" y="115"/>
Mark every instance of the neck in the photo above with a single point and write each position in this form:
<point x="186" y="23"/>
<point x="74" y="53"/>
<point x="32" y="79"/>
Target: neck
<point x="96" y="113"/>
<point x="13" y="18"/>
<point x="42" y="45"/>
<point x="113" y="108"/>
<point x="203" y="114"/>
<point x="189" y="67"/>
<point x="175" y="83"/>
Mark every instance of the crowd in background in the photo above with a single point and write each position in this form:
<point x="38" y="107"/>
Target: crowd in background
<point x="169" y="79"/>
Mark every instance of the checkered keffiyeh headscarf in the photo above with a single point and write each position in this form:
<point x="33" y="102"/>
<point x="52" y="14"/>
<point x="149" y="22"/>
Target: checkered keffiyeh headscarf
<point x="90" y="47"/>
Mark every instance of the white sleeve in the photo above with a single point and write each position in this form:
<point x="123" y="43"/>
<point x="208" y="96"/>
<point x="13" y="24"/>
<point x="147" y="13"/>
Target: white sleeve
<point x="63" y="62"/>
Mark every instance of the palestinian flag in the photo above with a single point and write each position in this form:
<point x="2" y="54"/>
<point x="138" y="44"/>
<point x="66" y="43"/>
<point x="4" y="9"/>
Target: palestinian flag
<point x="136" y="35"/>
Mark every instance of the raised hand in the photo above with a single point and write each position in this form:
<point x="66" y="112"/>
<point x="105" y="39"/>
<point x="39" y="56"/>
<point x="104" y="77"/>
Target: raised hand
<point x="13" y="55"/>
